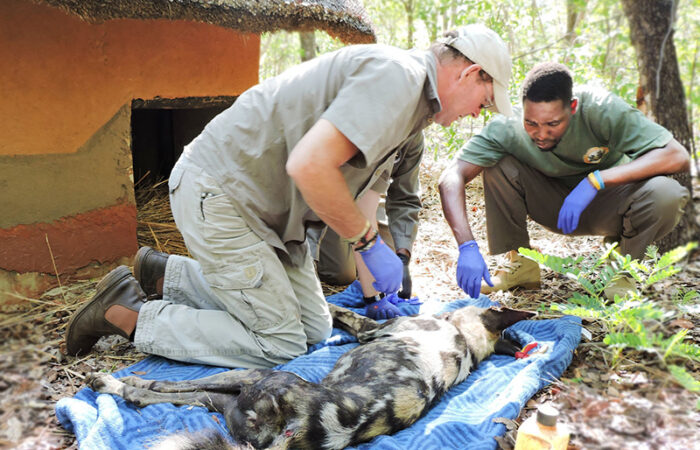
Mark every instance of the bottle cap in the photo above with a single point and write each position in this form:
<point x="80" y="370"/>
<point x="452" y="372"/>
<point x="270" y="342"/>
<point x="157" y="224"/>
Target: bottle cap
<point x="547" y="415"/>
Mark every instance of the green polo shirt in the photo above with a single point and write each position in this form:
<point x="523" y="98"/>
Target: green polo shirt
<point x="376" y="95"/>
<point x="604" y="132"/>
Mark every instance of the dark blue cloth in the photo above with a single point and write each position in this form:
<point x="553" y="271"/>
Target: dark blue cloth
<point x="462" y="419"/>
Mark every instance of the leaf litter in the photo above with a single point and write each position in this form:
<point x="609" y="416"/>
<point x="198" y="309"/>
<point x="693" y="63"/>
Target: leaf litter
<point x="633" y="404"/>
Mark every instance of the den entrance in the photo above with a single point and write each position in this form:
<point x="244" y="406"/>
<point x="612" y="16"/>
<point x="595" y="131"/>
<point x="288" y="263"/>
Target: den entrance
<point x="160" y="128"/>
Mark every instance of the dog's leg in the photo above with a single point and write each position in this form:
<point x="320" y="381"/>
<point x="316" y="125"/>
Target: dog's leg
<point x="229" y="382"/>
<point x="107" y="384"/>
<point x="350" y="321"/>
<point x="506" y="347"/>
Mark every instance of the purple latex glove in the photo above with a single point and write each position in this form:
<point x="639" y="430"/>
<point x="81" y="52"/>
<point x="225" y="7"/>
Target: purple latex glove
<point x="383" y="309"/>
<point x="471" y="268"/>
<point x="397" y="300"/>
<point x="574" y="204"/>
<point x="385" y="266"/>
<point x="408" y="307"/>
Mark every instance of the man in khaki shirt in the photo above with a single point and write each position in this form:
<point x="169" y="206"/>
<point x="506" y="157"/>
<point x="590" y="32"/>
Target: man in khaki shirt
<point x="297" y="149"/>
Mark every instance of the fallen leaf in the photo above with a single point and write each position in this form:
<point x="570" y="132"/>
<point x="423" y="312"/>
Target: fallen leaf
<point x="595" y="408"/>
<point x="683" y="323"/>
<point x="613" y="392"/>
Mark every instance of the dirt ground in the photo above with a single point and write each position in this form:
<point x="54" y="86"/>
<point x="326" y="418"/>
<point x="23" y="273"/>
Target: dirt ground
<point x="633" y="405"/>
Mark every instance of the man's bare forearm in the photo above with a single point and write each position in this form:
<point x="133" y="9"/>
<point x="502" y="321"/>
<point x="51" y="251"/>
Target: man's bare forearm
<point x="669" y="159"/>
<point x="452" y="183"/>
<point x="314" y="165"/>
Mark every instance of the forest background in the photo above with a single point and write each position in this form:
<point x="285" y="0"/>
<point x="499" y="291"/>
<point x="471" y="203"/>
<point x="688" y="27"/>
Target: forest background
<point x="591" y="37"/>
<point x="634" y="381"/>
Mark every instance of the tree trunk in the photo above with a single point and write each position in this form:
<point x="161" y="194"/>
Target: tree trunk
<point x="308" y="45"/>
<point x="410" y="11"/>
<point x="575" y="10"/>
<point x="651" y="32"/>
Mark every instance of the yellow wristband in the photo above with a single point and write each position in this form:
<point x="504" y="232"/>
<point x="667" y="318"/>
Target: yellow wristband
<point x="594" y="181"/>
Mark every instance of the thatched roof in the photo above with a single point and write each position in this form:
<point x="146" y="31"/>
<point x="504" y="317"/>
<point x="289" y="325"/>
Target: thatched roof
<point x="344" y="19"/>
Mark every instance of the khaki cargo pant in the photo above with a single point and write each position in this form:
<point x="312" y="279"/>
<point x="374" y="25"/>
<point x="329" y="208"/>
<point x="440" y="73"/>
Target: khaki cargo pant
<point x="635" y="214"/>
<point x="236" y="304"/>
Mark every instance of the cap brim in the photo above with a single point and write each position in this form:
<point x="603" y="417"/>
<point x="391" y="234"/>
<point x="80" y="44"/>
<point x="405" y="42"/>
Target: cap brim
<point x="501" y="99"/>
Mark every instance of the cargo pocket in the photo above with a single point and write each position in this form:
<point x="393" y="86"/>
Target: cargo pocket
<point x="175" y="178"/>
<point x="238" y="283"/>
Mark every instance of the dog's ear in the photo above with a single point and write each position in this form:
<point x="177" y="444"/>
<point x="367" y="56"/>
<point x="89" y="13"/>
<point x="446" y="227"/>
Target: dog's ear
<point x="498" y="319"/>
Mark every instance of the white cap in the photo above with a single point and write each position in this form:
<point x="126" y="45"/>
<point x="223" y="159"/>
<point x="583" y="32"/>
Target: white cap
<point x="486" y="48"/>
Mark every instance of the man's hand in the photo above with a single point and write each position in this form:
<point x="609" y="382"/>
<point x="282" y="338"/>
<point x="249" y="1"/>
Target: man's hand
<point x="574" y="204"/>
<point x="471" y="268"/>
<point x="406" y="283"/>
<point x="384" y="265"/>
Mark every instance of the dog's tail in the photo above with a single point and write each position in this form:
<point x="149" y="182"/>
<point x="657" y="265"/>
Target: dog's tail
<point x="202" y="440"/>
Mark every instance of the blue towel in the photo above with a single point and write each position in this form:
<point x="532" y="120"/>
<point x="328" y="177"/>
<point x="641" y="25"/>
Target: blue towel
<point x="499" y="387"/>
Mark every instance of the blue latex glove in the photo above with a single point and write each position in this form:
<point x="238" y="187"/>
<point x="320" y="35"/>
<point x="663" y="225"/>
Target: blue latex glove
<point x="471" y="268"/>
<point x="384" y="265"/>
<point x="574" y="204"/>
<point x="383" y="309"/>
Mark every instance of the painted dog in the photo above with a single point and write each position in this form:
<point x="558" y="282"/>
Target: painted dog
<point x="400" y="370"/>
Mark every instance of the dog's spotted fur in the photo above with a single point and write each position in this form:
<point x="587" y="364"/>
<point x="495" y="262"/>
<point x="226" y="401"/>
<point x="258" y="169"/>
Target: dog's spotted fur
<point x="380" y="387"/>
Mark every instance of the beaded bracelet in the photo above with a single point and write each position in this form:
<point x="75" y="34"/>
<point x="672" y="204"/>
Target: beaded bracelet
<point x="367" y="241"/>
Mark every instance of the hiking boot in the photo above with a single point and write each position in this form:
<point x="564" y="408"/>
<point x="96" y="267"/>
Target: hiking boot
<point x="621" y="286"/>
<point x="518" y="271"/>
<point x="149" y="270"/>
<point x="88" y="324"/>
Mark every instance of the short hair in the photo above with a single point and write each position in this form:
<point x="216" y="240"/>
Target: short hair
<point x="547" y="82"/>
<point x="445" y="53"/>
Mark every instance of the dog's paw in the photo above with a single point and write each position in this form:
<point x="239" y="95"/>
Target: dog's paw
<point x="104" y="383"/>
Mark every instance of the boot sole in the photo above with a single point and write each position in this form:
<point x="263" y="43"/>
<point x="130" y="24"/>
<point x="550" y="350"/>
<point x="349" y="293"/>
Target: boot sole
<point x="531" y="286"/>
<point x="112" y="278"/>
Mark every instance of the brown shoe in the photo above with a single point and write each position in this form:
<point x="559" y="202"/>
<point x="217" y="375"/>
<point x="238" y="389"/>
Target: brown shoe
<point x="518" y="271"/>
<point x="621" y="286"/>
<point x="149" y="270"/>
<point x="88" y="324"/>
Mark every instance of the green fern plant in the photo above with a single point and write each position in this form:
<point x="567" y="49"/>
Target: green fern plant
<point x="625" y="318"/>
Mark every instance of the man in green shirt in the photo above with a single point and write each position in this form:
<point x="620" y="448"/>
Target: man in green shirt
<point x="296" y="150"/>
<point x="578" y="162"/>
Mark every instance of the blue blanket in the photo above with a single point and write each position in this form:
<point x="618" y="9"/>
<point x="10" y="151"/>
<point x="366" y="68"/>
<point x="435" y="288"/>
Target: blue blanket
<point x="462" y="419"/>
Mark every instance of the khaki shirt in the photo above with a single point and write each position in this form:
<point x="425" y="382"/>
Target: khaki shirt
<point x="403" y="195"/>
<point x="377" y="96"/>
<point x="604" y="132"/>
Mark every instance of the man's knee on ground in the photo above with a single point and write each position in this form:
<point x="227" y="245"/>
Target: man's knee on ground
<point x="282" y="345"/>
<point x="318" y="329"/>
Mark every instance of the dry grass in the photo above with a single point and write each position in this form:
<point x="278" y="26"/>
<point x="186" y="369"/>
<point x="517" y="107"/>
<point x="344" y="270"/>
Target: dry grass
<point x="630" y="407"/>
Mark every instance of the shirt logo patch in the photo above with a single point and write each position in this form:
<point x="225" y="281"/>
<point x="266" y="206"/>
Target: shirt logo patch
<point x="595" y="154"/>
